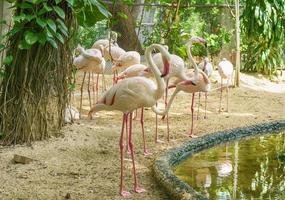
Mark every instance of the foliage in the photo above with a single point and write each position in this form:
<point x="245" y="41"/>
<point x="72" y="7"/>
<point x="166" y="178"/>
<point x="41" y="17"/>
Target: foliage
<point x="87" y="35"/>
<point x="263" y="35"/>
<point x="37" y="68"/>
<point x="203" y="22"/>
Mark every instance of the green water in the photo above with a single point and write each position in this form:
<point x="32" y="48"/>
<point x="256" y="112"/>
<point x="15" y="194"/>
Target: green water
<point x="248" y="169"/>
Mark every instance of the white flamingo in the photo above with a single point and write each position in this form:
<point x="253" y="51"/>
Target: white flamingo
<point x="90" y="61"/>
<point x="199" y="82"/>
<point x="225" y="69"/>
<point x="130" y="94"/>
<point x="207" y="67"/>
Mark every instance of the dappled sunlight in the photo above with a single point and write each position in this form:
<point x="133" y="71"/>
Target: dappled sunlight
<point x="261" y="84"/>
<point x="238" y="114"/>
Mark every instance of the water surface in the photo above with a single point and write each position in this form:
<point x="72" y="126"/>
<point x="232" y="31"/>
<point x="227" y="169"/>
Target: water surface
<point x="248" y="169"/>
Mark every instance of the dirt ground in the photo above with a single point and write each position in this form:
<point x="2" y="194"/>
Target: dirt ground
<point x="84" y="162"/>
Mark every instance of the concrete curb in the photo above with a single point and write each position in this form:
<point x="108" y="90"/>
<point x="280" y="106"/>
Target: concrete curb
<point x="163" y="165"/>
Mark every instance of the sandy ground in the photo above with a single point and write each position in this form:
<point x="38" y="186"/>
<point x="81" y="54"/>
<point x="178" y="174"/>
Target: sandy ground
<point x="84" y="162"/>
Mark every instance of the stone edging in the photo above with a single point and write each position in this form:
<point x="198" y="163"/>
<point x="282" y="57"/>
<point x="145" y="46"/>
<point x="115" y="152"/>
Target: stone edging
<point x="163" y="165"/>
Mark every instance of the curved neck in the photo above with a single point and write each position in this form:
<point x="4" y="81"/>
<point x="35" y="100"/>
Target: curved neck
<point x="160" y="82"/>
<point x="164" y="112"/>
<point x="196" y="71"/>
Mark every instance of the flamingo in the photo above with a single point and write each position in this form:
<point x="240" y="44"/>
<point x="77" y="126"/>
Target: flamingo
<point x="106" y="42"/>
<point x="134" y="70"/>
<point x="225" y="69"/>
<point x="90" y="60"/>
<point x="176" y="69"/>
<point x="130" y="94"/>
<point x="197" y="83"/>
<point x="127" y="59"/>
<point x="207" y="67"/>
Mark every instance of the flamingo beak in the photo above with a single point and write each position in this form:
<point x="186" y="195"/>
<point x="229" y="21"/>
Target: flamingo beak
<point x="166" y="67"/>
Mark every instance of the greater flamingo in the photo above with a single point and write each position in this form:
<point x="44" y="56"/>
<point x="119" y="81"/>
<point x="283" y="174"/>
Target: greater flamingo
<point x="127" y="59"/>
<point x="207" y="67"/>
<point x="197" y="83"/>
<point x="91" y="61"/>
<point x="176" y="69"/>
<point x="134" y="70"/>
<point x="130" y="94"/>
<point x="225" y="69"/>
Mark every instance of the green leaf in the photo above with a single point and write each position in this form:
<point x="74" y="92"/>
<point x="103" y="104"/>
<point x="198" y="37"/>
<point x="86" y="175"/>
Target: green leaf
<point x="59" y="37"/>
<point x="31" y="37"/>
<point x="41" y="22"/>
<point x="8" y="60"/>
<point x="51" y="24"/>
<point x="24" y="45"/>
<point x="62" y="27"/>
<point x="59" y="11"/>
<point x="52" y="42"/>
<point x="71" y="2"/>
<point x="42" y="37"/>
<point x="58" y="1"/>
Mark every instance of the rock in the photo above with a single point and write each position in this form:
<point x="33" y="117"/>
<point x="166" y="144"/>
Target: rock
<point x="70" y="114"/>
<point x="22" y="159"/>
<point x="67" y="196"/>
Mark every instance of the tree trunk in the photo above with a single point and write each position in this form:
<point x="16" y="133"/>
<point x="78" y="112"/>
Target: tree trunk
<point x="125" y="27"/>
<point x="34" y="91"/>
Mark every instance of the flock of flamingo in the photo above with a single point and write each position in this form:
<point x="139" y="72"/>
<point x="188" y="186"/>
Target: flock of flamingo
<point x="142" y="85"/>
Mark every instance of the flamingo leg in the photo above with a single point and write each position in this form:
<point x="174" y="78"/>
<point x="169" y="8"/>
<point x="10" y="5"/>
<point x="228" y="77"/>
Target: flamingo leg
<point x="192" y="114"/>
<point x="199" y="99"/>
<point x="97" y="87"/>
<point x="227" y="95"/>
<point x="127" y="142"/>
<point x="81" y="93"/>
<point x="145" y="151"/>
<point x="136" y="188"/>
<point x="165" y="103"/>
<point x="206" y="98"/>
<point x="220" y="109"/>
<point x="123" y="192"/>
<point x="93" y="88"/>
<point x="88" y="89"/>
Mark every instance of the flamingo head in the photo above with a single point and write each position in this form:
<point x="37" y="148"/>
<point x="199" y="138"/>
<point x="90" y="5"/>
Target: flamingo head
<point x="199" y="40"/>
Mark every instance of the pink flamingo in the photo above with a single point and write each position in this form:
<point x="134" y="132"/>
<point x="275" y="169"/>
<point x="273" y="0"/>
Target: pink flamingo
<point x="198" y="83"/>
<point x="207" y="67"/>
<point x="177" y="69"/>
<point x="225" y="69"/>
<point x="130" y="94"/>
<point x="92" y="61"/>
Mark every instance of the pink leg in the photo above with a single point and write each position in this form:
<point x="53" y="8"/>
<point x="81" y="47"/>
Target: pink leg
<point x="199" y="105"/>
<point x="81" y="95"/>
<point x="228" y="95"/>
<point x="127" y="142"/>
<point x="145" y="151"/>
<point x="88" y="89"/>
<point x="192" y="114"/>
<point x="165" y="102"/>
<point x="136" y="188"/>
<point x="206" y="97"/>
<point x="97" y="87"/>
<point x="220" y="109"/>
<point x="93" y="89"/>
<point x="123" y="192"/>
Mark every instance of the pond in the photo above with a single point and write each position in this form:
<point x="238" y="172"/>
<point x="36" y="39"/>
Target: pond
<point x="252" y="168"/>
